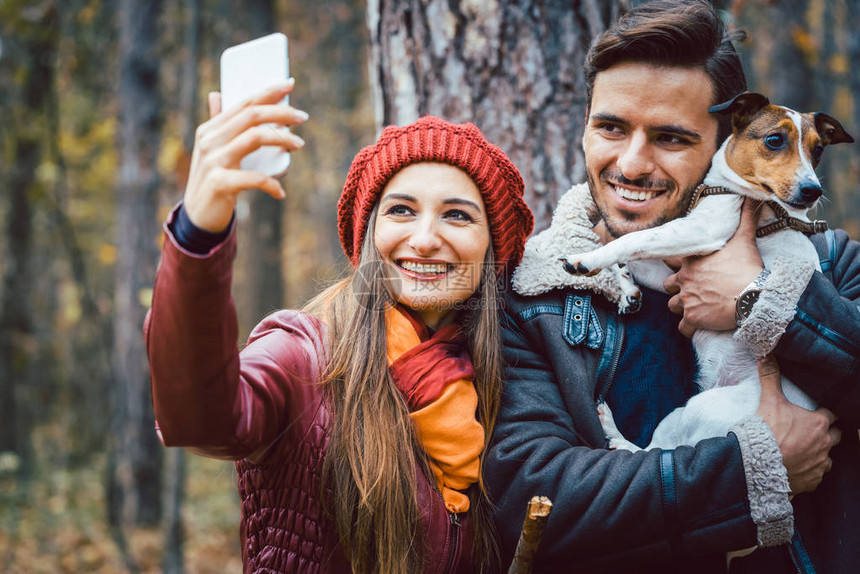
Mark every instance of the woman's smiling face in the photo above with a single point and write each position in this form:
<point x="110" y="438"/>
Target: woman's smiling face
<point x="432" y="227"/>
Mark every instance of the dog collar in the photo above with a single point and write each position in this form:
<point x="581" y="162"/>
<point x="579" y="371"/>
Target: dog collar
<point x="785" y="221"/>
<point x="702" y="191"/>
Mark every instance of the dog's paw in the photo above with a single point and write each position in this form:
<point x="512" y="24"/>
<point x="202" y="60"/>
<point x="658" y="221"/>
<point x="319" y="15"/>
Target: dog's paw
<point x="607" y="421"/>
<point x="630" y="303"/>
<point x="631" y="295"/>
<point x="604" y="413"/>
<point x="577" y="267"/>
<point x="614" y="440"/>
<point x="621" y="444"/>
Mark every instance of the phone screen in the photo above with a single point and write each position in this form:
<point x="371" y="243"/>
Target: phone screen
<point x="246" y="70"/>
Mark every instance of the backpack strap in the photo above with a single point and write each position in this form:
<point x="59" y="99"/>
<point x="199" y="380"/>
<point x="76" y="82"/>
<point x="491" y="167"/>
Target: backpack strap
<point x="828" y="255"/>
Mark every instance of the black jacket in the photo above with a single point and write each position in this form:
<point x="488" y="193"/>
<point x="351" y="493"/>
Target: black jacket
<point x="677" y="510"/>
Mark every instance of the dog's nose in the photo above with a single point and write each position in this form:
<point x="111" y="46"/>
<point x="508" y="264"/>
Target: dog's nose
<point x="809" y="193"/>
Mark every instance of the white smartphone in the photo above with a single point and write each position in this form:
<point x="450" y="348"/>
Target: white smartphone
<point x="246" y="70"/>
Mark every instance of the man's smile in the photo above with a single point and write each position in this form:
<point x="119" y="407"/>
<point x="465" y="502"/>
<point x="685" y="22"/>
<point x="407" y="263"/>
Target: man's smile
<point x="628" y="196"/>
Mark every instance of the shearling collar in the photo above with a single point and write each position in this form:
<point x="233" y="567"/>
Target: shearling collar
<point x="570" y="232"/>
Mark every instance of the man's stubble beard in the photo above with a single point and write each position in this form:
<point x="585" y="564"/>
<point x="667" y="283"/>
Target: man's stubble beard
<point x="612" y="225"/>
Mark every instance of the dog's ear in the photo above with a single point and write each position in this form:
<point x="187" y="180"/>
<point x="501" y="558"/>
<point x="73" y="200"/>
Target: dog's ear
<point x="829" y="130"/>
<point x="742" y="107"/>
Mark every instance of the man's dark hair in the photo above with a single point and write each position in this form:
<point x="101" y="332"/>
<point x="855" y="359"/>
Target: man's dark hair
<point x="679" y="33"/>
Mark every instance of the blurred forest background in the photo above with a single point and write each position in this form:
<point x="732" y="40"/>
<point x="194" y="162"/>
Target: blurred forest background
<point x="99" y="101"/>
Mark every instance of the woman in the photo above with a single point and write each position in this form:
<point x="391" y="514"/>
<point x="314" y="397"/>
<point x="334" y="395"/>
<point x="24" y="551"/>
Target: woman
<point x="357" y="426"/>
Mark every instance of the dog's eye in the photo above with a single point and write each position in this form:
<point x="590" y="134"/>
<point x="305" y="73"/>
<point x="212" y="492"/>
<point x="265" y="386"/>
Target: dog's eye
<point x="775" y="141"/>
<point x="817" y="151"/>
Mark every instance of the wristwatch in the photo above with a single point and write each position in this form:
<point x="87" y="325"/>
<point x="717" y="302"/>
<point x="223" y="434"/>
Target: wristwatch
<point x="748" y="297"/>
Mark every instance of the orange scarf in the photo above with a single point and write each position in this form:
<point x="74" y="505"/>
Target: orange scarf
<point x="435" y="375"/>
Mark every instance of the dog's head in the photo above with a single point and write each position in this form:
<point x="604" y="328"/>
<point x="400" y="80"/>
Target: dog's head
<point x="777" y="149"/>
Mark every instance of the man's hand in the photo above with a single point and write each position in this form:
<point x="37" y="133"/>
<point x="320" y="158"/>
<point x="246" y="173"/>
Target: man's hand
<point x="704" y="288"/>
<point x="804" y="437"/>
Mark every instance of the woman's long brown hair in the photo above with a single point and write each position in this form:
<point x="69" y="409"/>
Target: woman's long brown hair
<point x="369" y="470"/>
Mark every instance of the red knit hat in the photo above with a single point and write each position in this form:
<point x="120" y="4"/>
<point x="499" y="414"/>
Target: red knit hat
<point x="433" y="139"/>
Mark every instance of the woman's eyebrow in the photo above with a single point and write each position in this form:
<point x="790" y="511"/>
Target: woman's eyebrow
<point x="399" y="196"/>
<point x="449" y="201"/>
<point x="461" y="201"/>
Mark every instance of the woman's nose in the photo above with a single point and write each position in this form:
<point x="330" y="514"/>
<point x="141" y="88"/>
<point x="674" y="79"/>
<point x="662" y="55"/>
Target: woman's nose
<point x="425" y="238"/>
<point x="637" y="158"/>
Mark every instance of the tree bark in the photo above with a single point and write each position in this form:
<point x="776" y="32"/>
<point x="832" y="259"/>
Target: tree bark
<point x="789" y="56"/>
<point x="36" y="33"/>
<point x="174" y="484"/>
<point x="260" y="252"/>
<point x="512" y="68"/>
<point x="135" y="492"/>
<point x="852" y="31"/>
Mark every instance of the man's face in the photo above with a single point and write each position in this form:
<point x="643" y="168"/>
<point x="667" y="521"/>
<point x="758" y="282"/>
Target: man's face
<point x="648" y="142"/>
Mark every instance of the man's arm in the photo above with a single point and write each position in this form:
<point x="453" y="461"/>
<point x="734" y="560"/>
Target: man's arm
<point x="610" y="508"/>
<point x="820" y="350"/>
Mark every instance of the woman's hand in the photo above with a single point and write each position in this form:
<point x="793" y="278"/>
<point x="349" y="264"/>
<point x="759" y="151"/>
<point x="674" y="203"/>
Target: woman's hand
<point x="215" y="179"/>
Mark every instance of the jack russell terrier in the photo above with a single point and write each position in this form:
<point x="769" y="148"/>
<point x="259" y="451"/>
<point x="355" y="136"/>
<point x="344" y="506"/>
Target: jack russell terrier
<point x="771" y="156"/>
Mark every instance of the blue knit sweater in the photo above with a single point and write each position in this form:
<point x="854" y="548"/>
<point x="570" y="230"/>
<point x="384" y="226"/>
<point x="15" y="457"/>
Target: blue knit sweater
<point x="656" y="370"/>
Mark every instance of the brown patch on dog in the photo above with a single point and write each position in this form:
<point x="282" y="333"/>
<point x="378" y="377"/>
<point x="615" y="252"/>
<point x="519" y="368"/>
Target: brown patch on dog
<point x="771" y="171"/>
<point x="812" y="140"/>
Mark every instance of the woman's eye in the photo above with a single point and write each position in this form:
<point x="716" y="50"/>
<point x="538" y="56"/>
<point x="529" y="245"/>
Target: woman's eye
<point x="775" y="141"/>
<point x="398" y="210"/>
<point x="459" y="215"/>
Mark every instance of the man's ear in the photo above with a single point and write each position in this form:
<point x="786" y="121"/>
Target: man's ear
<point x="829" y="130"/>
<point x="742" y="107"/>
<point x="585" y="129"/>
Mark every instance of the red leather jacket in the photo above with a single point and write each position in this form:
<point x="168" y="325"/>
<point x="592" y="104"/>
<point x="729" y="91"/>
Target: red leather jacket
<point x="262" y="409"/>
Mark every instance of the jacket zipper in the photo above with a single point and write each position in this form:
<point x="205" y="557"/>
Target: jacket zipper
<point x="794" y="560"/>
<point x="455" y="539"/>
<point x="798" y="554"/>
<point x="453" y="531"/>
<point x="616" y="357"/>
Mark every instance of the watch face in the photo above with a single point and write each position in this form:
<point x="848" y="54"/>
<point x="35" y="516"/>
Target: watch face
<point x="746" y="302"/>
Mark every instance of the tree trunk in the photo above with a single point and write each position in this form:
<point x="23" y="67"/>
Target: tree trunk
<point x="135" y="496"/>
<point x="174" y="531"/>
<point x="512" y="68"/>
<point x="36" y="37"/>
<point x="852" y="30"/>
<point x="341" y="53"/>
<point x="790" y="57"/>
<point x="174" y="487"/>
<point x="260" y="251"/>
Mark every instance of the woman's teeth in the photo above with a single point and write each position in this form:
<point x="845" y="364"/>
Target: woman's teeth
<point x="425" y="268"/>
<point x="634" y="195"/>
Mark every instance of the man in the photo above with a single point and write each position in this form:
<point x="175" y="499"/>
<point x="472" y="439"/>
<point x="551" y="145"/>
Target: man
<point x="648" y="142"/>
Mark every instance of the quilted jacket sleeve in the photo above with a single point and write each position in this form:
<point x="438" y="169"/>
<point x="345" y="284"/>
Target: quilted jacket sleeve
<point x="206" y="396"/>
